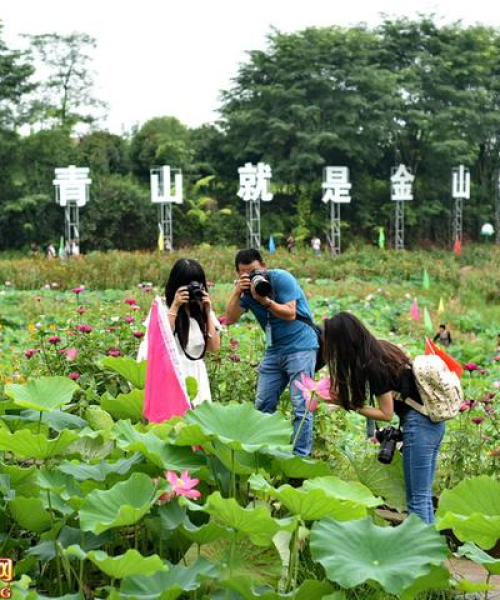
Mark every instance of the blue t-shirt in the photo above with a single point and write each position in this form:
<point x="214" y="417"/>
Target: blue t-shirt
<point x="288" y="336"/>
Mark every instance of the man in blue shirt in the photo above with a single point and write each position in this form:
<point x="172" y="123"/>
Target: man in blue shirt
<point x="291" y="345"/>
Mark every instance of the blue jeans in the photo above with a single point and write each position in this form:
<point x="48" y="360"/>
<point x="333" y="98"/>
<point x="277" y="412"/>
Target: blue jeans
<point x="421" y="441"/>
<point x="276" y="371"/>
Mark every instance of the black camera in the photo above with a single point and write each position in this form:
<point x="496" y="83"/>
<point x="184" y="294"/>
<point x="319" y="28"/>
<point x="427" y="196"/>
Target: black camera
<point x="195" y="290"/>
<point x="388" y="438"/>
<point x="261" y="283"/>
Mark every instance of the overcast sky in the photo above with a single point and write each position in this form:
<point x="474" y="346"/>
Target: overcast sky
<point x="159" y="57"/>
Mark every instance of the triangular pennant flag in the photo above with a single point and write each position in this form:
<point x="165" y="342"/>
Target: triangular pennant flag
<point x="426" y="282"/>
<point x="441" y="306"/>
<point x="453" y="365"/>
<point x="161" y="239"/>
<point x="272" y="247"/>
<point x="457" y="248"/>
<point x="381" y="238"/>
<point x="415" y="311"/>
<point x="427" y="321"/>
<point x="165" y="393"/>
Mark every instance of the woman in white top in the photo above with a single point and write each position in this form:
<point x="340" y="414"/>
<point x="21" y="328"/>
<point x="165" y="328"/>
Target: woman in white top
<point x="195" y="327"/>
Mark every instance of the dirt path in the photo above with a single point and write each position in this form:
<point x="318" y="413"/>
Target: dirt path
<point x="463" y="568"/>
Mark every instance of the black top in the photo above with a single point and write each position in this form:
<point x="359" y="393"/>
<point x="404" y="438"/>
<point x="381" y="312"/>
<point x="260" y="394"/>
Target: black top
<point x="405" y="385"/>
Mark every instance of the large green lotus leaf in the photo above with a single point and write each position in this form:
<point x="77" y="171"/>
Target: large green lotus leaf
<point x="351" y="491"/>
<point x="42" y="394"/>
<point x="309" y="590"/>
<point x="257" y="522"/>
<point x="472" y="511"/>
<point x="472" y="552"/>
<point x="356" y="552"/>
<point x="118" y="567"/>
<point x="291" y="465"/>
<point x="25" y="444"/>
<point x="55" y="481"/>
<point x="245" y="463"/>
<point x="99" y="472"/>
<point x="30" y="514"/>
<point x="205" y="534"/>
<point x="240" y="426"/>
<point x="22" y="480"/>
<point x="262" y="565"/>
<point x="165" y="456"/>
<point x="131" y="370"/>
<point x="309" y="505"/>
<point x="57" y="419"/>
<point x="124" y="504"/>
<point x="438" y="579"/>
<point x="167" y="585"/>
<point x="124" y="406"/>
<point x="386" y="481"/>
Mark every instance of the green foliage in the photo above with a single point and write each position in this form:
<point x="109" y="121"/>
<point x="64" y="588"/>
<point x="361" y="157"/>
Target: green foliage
<point x="44" y="394"/>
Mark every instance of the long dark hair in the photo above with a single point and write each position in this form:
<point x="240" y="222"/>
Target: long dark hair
<point x="184" y="271"/>
<point x="354" y="356"/>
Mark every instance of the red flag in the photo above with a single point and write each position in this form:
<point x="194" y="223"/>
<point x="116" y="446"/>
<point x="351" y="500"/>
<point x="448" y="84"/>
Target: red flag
<point x="453" y="365"/>
<point x="165" y="394"/>
<point x="457" y="248"/>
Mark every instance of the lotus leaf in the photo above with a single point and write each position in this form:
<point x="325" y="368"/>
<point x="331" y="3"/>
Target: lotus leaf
<point x="124" y="406"/>
<point x="25" y="444"/>
<point x="57" y="419"/>
<point x="438" y="578"/>
<point x="351" y="491"/>
<point x="118" y="567"/>
<point x="168" y="585"/>
<point x="55" y="481"/>
<point x="30" y="514"/>
<point x="309" y="590"/>
<point x="239" y="426"/>
<point x="472" y="511"/>
<point x="291" y="465"/>
<point x="124" y="504"/>
<point x="257" y="523"/>
<point x="131" y="370"/>
<point x="204" y="534"/>
<point x="42" y="394"/>
<point x="99" y="472"/>
<point x="472" y="552"/>
<point x="356" y="552"/>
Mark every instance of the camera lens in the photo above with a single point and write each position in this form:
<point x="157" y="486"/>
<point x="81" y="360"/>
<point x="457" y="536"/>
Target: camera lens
<point x="262" y="286"/>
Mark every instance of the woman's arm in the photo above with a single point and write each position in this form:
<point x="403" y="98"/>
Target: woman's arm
<point x="384" y="412"/>
<point x="213" y="341"/>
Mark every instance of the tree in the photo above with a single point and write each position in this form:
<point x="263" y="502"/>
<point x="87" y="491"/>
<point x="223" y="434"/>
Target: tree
<point x="65" y="92"/>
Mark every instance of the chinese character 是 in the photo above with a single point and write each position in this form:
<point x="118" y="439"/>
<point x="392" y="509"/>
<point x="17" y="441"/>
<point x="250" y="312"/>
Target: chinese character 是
<point x="336" y="185"/>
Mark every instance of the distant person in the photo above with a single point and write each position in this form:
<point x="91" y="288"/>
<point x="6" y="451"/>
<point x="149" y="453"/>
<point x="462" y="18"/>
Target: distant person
<point x="498" y="343"/>
<point x="316" y="245"/>
<point x="443" y="336"/>
<point x="51" y="251"/>
<point x="33" y="250"/>
<point x="74" y="248"/>
<point x="67" y="249"/>
<point x="290" y="243"/>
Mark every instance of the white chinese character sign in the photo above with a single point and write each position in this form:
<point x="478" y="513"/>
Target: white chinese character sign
<point x="336" y="186"/>
<point x="166" y="189"/>
<point x="336" y="190"/>
<point x="255" y="185"/>
<point x="460" y="191"/>
<point x="72" y="186"/>
<point x="401" y="192"/>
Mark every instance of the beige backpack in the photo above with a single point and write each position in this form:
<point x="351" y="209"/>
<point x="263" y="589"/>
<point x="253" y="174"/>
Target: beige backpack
<point x="440" y="388"/>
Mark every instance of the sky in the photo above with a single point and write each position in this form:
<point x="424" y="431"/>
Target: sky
<point x="159" y="57"/>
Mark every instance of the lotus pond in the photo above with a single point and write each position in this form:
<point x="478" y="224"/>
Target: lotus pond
<point x="97" y="503"/>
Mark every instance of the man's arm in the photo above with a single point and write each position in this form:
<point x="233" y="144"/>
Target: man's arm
<point x="233" y="308"/>
<point x="287" y="311"/>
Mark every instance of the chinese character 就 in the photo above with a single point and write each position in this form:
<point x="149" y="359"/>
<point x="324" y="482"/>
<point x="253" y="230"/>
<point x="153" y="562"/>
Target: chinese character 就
<point x="255" y="182"/>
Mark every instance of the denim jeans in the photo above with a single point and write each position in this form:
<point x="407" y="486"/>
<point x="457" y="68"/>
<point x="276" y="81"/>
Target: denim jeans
<point x="421" y="441"/>
<point x="276" y="371"/>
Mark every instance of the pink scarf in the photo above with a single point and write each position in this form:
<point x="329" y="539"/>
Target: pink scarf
<point x="165" y="393"/>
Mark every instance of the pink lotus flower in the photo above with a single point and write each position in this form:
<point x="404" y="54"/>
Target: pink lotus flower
<point x="71" y="354"/>
<point x="81" y="309"/>
<point x="477" y="420"/>
<point x="83" y="328"/>
<point x="235" y="357"/>
<point x="135" y="307"/>
<point x="464" y="407"/>
<point x="74" y="376"/>
<point x="138" y="334"/>
<point x="129" y="319"/>
<point x="111" y="329"/>
<point x="470" y="366"/>
<point x="311" y="388"/>
<point x="114" y="352"/>
<point x="54" y="339"/>
<point x="78" y="289"/>
<point x="489" y="397"/>
<point x="497" y="358"/>
<point x="30" y="352"/>
<point x="130" y="301"/>
<point x="183" y="485"/>
<point x="223" y="320"/>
